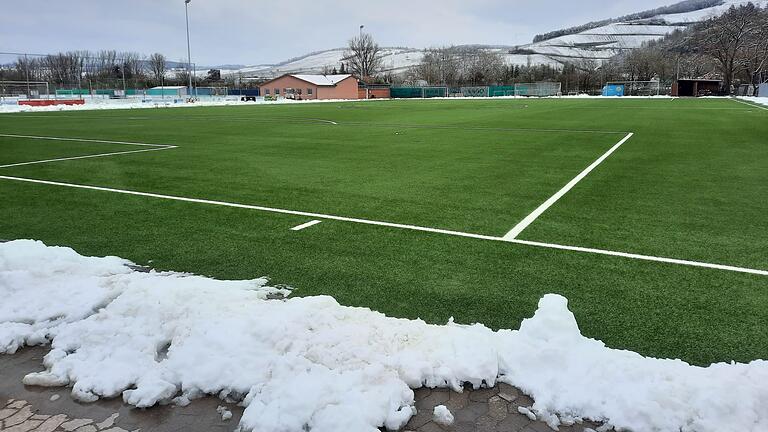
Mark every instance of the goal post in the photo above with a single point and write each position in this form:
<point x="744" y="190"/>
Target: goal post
<point x="632" y="88"/>
<point x="434" y="91"/>
<point x="538" y="89"/>
<point x="24" y="90"/>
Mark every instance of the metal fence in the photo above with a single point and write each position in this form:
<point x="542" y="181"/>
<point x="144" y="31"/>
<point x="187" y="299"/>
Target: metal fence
<point x="540" y="89"/>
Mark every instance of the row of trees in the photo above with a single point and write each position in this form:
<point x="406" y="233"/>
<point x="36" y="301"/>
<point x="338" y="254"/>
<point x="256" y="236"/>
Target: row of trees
<point x="101" y="69"/>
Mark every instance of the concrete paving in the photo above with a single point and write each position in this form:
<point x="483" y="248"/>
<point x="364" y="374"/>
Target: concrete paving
<point x="26" y="409"/>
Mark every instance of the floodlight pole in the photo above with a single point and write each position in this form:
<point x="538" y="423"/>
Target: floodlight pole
<point x="189" y="49"/>
<point x="361" y="60"/>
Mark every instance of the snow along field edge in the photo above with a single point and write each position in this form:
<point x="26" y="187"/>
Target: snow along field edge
<point x="311" y="364"/>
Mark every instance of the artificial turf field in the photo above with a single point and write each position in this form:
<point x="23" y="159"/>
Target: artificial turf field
<point x="690" y="184"/>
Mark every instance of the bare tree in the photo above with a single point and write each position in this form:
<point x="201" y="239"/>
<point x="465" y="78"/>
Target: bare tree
<point x="752" y="59"/>
<point x="157" y="67"/>
<point x="363" y="56"/>
<point x="725" y="37"/>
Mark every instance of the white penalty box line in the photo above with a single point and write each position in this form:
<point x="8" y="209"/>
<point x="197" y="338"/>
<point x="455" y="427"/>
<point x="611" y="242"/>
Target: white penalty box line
<point x="151" y="147"/>
<point x="397" y="225"/>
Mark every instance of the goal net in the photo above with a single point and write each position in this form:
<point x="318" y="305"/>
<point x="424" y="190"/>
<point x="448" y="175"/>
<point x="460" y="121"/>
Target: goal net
<point x="539" y="89"/>
<point x="431" y="92"/>
<point x="24" y="90"/>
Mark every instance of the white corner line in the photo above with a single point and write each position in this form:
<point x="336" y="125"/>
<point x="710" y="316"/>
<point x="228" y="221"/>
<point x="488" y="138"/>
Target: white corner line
<point x="753" y="105"/>
<point x="402" y="226"/>
<point x="305" y="225"/>
<point x="85" y="157"/>
<point x="89" y="140"/>
<point x="523" y="224"/>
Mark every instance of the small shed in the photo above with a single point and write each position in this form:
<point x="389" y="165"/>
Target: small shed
<point x="696" y="87"/>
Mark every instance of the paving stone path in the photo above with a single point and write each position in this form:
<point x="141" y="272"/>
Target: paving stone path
<point x="486" y="410"/>
<point x="36" y="409"/>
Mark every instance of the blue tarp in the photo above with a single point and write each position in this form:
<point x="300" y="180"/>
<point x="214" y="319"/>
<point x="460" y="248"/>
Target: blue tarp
<point x="613" y="90"/>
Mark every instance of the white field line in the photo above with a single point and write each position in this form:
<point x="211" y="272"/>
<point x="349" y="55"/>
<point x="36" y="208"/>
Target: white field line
<point x="522" y="225"/>
<point x="400" y="226"/>
<point x="643" y="257"/>
<point x="83" y="140"/>
<point x="758" y="106"/>
<point x="85" y="157"/>
<point x="305" y="225"/>
<point x="155" y="147"/>
<point x="254" y="207"/>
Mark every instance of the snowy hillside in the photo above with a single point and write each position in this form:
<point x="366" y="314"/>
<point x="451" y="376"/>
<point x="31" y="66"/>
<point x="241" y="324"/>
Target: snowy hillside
<point x="606" y="41"/>
<point x="598" y="44"/>
<point x="396" y="60"/>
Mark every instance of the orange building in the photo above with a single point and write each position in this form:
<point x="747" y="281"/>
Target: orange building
<point x="303" y="87"/>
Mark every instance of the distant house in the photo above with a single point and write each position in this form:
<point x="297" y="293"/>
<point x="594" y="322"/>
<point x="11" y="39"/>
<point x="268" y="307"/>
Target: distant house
<point x="302" y="86"/>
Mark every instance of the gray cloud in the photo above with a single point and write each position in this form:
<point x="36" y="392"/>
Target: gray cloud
<point x="253" y="32"/>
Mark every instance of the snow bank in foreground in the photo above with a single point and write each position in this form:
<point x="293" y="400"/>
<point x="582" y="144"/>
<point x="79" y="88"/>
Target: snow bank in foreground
<point x="757" y="100"/>
<point x="309" y="362"/>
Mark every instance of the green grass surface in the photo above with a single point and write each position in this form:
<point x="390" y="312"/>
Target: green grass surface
<point x="690" y="184"/>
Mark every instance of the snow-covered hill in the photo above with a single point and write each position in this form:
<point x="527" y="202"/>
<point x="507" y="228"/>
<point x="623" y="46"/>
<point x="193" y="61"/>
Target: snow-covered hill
<point x="595" y="44"/>
<point x="604" y="42"/>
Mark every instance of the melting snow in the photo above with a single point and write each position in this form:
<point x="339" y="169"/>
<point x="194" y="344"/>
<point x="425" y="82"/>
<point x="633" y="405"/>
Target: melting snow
<point x="309" y="363"/>
<point x="442" y="415"/>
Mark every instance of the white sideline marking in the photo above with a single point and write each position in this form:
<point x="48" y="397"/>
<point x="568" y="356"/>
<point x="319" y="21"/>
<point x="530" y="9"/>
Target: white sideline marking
<point x="643" y="257"/>
<point x="755" y="105"/>
<point x="514" y="232"/>
<point x="305" y="225"/>
<point x="254" y="207"/>
<point x="155" y="147"/>
<point x="84" y="140"/>
<point x="402" y="226"/>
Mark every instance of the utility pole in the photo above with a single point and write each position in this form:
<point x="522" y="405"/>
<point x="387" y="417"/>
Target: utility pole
<point x="189" y="49"/>
<point x="26" y="69"/>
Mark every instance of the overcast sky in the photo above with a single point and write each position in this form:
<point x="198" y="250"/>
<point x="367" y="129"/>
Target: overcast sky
<point x="255" y="32"/>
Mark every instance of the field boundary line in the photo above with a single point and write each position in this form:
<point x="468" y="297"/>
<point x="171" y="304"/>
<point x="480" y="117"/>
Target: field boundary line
<point x="400" y="226"/>
<point x="84" y="157"/>
<point x="523" y="224"/>
<point x="155" y="147"/>
<point x="88" y="140"/>
<point x="747" y="103"/>
<point x="643" y="257"/>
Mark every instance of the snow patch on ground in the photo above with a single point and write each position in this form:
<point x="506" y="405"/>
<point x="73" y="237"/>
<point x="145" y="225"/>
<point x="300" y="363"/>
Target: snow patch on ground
<point x="309" y="363"/>
<point x="442" y="415"/>
<point x="224" y="412"/>
<point x="758" y="100"/>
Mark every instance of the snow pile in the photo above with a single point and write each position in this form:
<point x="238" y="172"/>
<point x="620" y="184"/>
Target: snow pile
<point x="442" y="415"/>
<point x="39" y="296"/>
<point x="309" y="363"/>
<point x="757" y="100"/>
